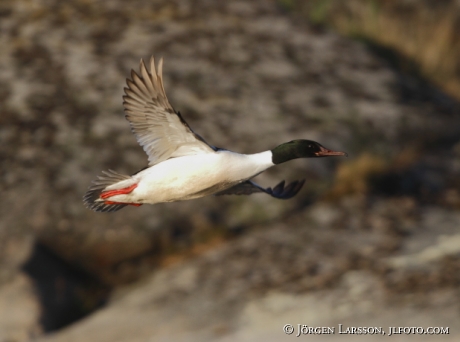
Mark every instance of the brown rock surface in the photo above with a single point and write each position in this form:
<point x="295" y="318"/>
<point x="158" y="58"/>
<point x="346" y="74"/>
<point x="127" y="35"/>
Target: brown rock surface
<point x="246" y="76"/>
<point x="292" y="273"/>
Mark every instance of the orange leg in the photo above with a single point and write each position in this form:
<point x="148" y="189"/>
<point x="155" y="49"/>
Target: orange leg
<point x="124" y="191"/>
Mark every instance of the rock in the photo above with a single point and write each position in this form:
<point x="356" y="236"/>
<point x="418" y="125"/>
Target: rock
<point x="19" y="310"/>
<point x="247" y="77"/>
<point x="161" y="309"/>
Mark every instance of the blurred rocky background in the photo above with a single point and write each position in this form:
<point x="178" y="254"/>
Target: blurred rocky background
<point x="371" y="240"/>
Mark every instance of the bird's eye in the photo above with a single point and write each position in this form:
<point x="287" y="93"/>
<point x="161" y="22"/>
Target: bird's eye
<point x="310" y="146"/>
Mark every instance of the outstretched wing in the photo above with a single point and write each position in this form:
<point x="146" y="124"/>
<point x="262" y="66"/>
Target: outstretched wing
<point x="279" y="191"/>
<point x="161" y="131"/>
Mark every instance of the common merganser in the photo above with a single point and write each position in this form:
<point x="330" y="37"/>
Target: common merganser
<point x="182" y="165"/>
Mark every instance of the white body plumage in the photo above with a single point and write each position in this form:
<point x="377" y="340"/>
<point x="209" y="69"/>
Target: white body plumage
<point x="192" y="176"/>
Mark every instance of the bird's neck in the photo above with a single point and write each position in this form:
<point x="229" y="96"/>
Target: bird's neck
<point x="286" y="152"/>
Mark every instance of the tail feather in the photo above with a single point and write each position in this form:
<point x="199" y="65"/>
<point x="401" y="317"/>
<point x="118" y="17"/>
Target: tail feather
<point x="92" y="197"/>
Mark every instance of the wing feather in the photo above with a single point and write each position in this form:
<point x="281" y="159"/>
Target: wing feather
<point x="161" y="131"/>
<point x="146" y="77"/>
<point x="279" y="191"/>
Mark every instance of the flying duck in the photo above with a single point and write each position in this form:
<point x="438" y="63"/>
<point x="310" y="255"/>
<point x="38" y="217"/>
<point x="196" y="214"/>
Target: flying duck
<point x="182" y="165"/>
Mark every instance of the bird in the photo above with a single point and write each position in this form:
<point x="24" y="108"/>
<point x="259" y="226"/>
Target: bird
<point x="181" y="164"/>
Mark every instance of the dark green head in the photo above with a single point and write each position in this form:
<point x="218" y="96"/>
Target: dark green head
<point x="301" y="149"/>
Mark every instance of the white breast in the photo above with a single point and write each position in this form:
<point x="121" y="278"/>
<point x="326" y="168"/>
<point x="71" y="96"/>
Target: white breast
<point x="185" y="177"/>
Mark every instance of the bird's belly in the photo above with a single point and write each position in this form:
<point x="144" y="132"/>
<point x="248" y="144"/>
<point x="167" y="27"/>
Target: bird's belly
<point x="185" y="178"/>
<point x="178" y="188"/>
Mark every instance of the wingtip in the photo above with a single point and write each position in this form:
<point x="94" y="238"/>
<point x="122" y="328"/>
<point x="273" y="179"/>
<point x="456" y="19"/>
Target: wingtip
<point x="142" y="65"/>
<point x="283" y="191"/>
<point x="152" y="65"/>
<point x="279" y="186"/>
<point x="155" y="70"/>
<point x="160" y="67"/>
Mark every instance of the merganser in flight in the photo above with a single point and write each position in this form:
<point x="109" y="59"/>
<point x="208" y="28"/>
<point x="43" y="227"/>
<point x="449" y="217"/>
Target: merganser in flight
<point x="182" y="165"/>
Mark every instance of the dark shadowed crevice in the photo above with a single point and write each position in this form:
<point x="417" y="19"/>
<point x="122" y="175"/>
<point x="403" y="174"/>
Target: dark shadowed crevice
<point x="66" y="293"/>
